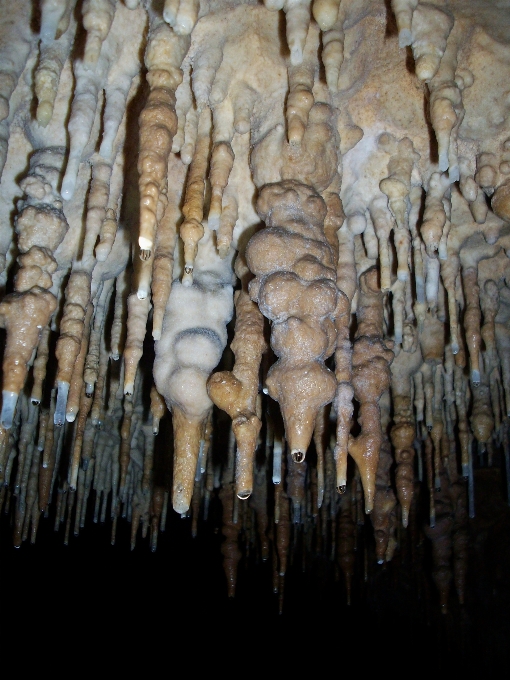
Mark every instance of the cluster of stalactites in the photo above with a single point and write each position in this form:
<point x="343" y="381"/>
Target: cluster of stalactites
<point x="400" y="312"/>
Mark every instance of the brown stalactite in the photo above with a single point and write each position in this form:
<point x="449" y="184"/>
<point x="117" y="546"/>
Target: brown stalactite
<point x="201" y="120"/>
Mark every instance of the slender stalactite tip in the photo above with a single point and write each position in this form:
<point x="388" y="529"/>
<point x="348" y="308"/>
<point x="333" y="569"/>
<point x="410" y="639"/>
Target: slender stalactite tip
<point x="68" y="188"/>
<point x="405" y="38"/>
<point x="9" y="401"/>
<point x="298" y="456"/>
<point x="60" y="409"/>
<point x="187" y="277"/>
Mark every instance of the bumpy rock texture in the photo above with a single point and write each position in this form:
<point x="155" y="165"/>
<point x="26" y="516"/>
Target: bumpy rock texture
<point x="341" y="187"/>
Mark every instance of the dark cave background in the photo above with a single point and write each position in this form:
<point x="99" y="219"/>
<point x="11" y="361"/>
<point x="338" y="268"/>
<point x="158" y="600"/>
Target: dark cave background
<point x="90" y="589"/>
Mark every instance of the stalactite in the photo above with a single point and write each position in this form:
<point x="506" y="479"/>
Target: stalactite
<point x="236" y="392"/>
<point x="384" y="503"/>
<point x="97" y="21"/>
<point x="370" y="378"/>
<point x="191" y="230"/>
<point x="381" y="264"/>
<point x="430" y="29"/>
<point x="301" y="310"/>
<point x="158" y="123"/>
<point x="346" y="542"/>
<point x="441" y="536"/>
<point x="403" y="367"/>
<point x="53" y="55"/>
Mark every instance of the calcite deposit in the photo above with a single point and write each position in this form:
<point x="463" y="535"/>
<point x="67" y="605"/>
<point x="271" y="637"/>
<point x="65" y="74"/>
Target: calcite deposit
<point x="281" y="224"/>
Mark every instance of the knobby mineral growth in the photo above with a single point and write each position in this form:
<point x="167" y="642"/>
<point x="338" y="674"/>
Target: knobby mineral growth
<point x="340" y="191"/>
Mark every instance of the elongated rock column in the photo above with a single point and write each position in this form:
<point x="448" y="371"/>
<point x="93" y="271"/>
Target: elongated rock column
<point x="41" y="226"/>
<point x="236" y="391"/>
<point x="406" y="363"/>
<point x="295" y="287"/>
<point x="371" y="359"/>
